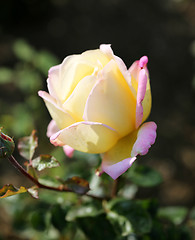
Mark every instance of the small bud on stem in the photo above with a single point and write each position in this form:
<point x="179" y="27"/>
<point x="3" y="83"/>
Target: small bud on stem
<point x="6" y="145"/>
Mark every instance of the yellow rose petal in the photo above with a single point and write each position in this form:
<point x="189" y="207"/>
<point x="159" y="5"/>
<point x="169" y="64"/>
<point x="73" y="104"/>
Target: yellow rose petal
<point x="111" y="101"/>
<point x="75" y="104"/>
<point x="96" y="57"/>
<point x="62" y="118"/>
<point x="121" y="150"/>
<point x="147" y="102"/>
<point x="73" y="69"/>
<point x="87" y="137"/>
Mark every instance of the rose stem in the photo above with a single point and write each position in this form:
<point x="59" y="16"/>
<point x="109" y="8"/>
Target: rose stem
<point x="39" y="185"/>
<point x="114" y="188"/>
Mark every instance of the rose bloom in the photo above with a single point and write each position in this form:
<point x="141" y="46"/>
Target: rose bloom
<point x="99" y="106"/>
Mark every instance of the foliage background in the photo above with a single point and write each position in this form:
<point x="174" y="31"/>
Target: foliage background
<point x="38" y="34"/>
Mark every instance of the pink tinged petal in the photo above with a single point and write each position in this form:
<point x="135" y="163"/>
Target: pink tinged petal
<point x="115" y="170"/>
<point x="75" y="104"/>
<point x="135" y="70"/>
<point x="61" y="117"/>
<point x="143" y="61"/>
<point x="69" y="151"/>
<point x="53" y="81"/>
<point x="52" y="128"/>
<point x="90" y="137"/>
<point x="145" y="138"/>
<point x="120" y="157"/>
<point x="111" y="102"/>
<point x="55" y="140"/>
<point x="140" y="96"/>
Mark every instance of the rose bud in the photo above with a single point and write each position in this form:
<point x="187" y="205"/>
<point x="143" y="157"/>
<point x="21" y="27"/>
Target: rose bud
<point x="6" y="145"/>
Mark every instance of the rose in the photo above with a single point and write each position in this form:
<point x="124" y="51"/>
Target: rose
<point x="98" y="106"/>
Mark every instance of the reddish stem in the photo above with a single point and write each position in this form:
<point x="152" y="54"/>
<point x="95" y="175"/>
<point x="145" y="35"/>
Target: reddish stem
<point x="61" y="188"/>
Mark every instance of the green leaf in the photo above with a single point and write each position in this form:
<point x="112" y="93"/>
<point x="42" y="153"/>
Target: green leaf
<point x="83" y="211"/>
<point x="31" y="171"/>
<point x="49" y="181"/>
<point x="150" y="205"/>
<point x="23" y="50"/>
<point x="77" y="185"/>
<point x="121" y="224"/>
<point x="144" y="176"/>
<point x="21" y="120"/>
<point x="38" y="220"/>
<point x="44" y="60"/>
<point x="96" y="227"/>
<point x="5" y="75"/>
<point x="192" y="213"/>
<point x="9" y="190"/>
<point x="27" y="80"/>
<point x="174" y="214"/>
<point x="44" y="161"/>
<point x="58" y="215"/>
<point x="134" y="212"/>
<point x="27" y="145"/>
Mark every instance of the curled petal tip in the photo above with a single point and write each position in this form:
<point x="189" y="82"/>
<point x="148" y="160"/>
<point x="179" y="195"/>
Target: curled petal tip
<point x="40" y="93"/>
<point x="55" y="141"/>
<point x="145" y="138"/>
<point x="143" y="61"/>
<point x="69" y="151"/>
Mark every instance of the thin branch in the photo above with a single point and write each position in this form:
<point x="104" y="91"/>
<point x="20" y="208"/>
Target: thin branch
<point x="61" y="188"/>
<point x="114" y="188"/>
<point x="22" y="170"/>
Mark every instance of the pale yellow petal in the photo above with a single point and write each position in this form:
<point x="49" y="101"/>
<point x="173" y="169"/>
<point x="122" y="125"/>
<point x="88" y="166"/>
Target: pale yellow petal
<point x="111" y="101"/>
<point x="76" y="67"/>
<point x="75" y="104"/>
<point x="73" y="69"/>
<point x="121" y="150"/>
<point x="96" y="58"/>
<point x="147" y="102"/>
<point x="87" y="137"/>
<point x="62" y="118"/>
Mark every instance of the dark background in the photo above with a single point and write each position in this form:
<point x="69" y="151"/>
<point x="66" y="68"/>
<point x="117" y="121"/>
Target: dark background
<point x="162" y="30"/>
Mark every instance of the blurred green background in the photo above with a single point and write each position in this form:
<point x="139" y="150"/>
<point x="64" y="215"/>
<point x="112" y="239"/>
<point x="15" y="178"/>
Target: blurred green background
<point x="35" y="35"/>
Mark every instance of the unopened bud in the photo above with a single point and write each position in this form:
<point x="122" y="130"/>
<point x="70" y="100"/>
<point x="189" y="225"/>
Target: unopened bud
<point x="6" y="145"/>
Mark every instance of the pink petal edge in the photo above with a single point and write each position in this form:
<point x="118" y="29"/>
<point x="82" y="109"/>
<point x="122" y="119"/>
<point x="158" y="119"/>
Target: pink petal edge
<point x="140" y="96"/>
<point x="52" y="128"/>
<point x="69" y="151"/>
<point x="143" y="61"/>
<point x="46" y="96"/>
<point x="145" y="138"/>
<point x="53" y="79"/>
<point x="56" y="142"/>
<point x="115" y="170"/>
